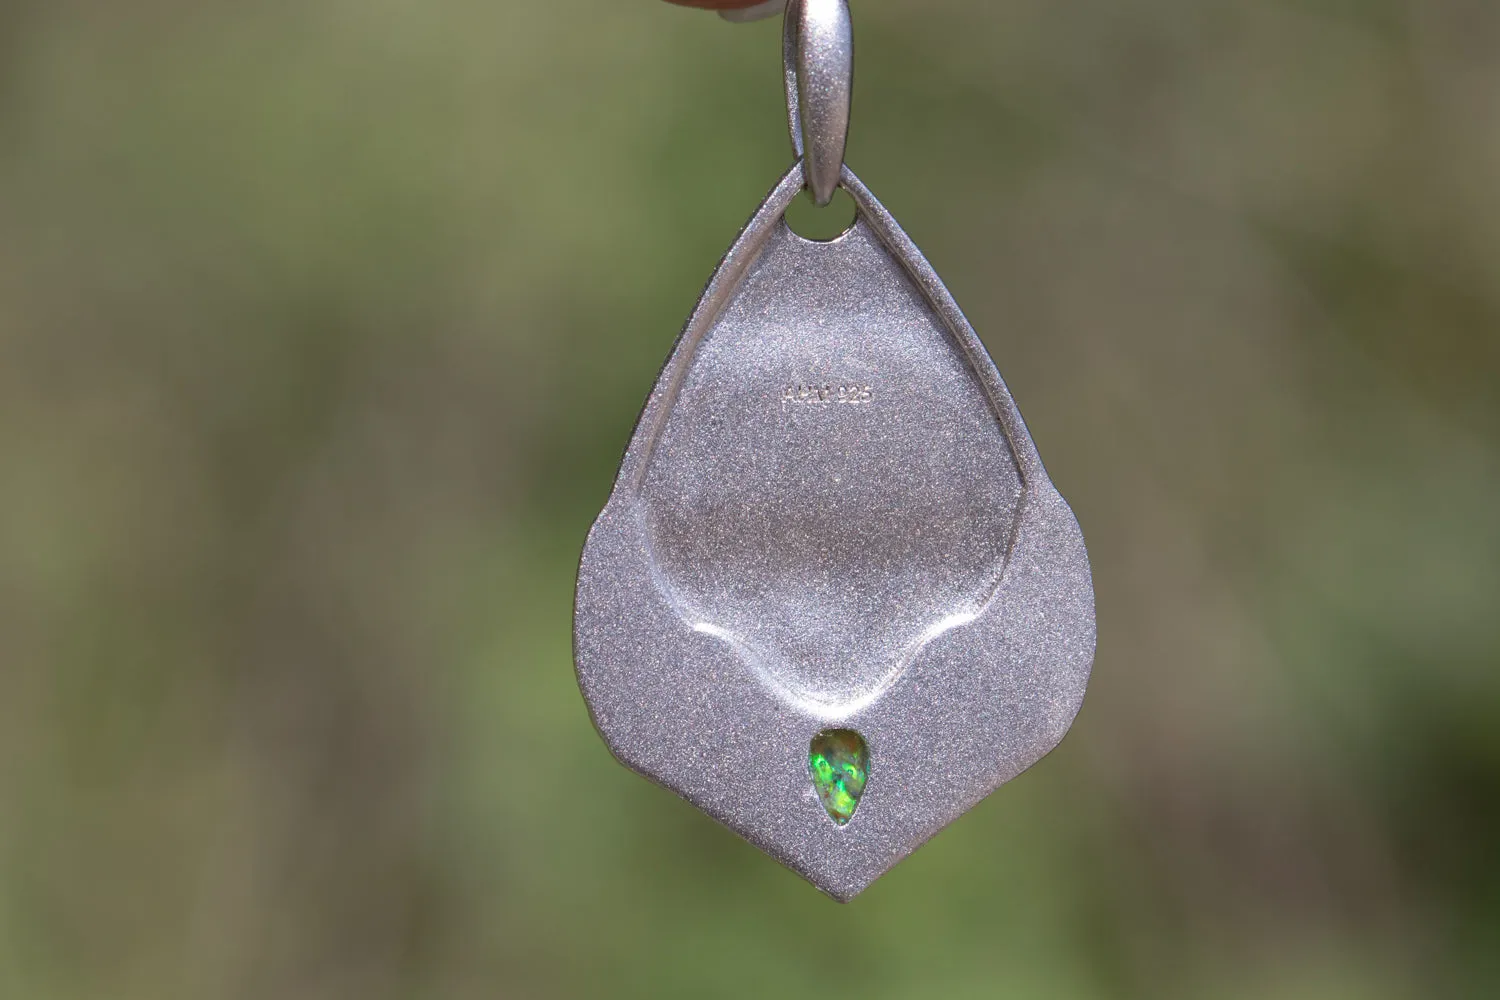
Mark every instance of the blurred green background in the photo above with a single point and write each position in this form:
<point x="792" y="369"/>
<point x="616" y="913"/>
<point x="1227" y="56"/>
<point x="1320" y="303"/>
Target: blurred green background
<point x="323" y="324"/>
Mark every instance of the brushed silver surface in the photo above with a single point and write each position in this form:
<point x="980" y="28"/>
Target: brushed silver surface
<point x="831" y="514"/>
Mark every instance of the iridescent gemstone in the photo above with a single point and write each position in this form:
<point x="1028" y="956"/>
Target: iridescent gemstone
<point x="840" y="765"/>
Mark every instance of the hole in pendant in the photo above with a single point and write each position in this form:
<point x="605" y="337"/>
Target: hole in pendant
<point x="840" y="766"/>
<point x="825" y="224"/>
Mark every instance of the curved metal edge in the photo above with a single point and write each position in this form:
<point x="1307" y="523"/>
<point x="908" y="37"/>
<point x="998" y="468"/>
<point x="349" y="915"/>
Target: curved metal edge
<point x="1034" y="478"/>
<point x="745" y="250"/>
<point x="742" y="253"/>
<point x="927" y="281"/>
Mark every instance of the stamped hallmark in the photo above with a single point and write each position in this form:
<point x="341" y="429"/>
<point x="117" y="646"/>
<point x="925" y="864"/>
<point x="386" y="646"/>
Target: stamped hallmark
<point x="856" y="394"/>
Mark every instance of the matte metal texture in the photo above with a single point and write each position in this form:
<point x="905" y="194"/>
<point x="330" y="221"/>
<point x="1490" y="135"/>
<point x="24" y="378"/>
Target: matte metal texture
<point x="831" y="515"/>
<point x="818" y="63"/>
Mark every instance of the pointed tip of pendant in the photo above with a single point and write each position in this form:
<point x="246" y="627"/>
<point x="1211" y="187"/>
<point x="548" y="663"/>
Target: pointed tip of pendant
<point x="843" y="891"/>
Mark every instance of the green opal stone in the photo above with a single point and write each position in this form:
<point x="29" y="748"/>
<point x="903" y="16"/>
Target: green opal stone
<point x="840" y="765"/>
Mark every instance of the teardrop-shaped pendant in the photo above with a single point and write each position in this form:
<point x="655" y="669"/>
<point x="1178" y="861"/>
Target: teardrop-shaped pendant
<point x="831" y="530"/>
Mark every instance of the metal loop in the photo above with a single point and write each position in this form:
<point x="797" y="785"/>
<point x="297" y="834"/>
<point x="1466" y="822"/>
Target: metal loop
<point x="818" y="57"/>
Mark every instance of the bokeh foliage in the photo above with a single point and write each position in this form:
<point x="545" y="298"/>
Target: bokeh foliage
<point x="322" y="325"/>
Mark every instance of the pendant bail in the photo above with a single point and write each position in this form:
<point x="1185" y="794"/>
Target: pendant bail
<point x="818" y="57"/>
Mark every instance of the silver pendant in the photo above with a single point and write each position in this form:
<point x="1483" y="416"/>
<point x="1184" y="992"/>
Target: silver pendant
<point x="833" y="600"/>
